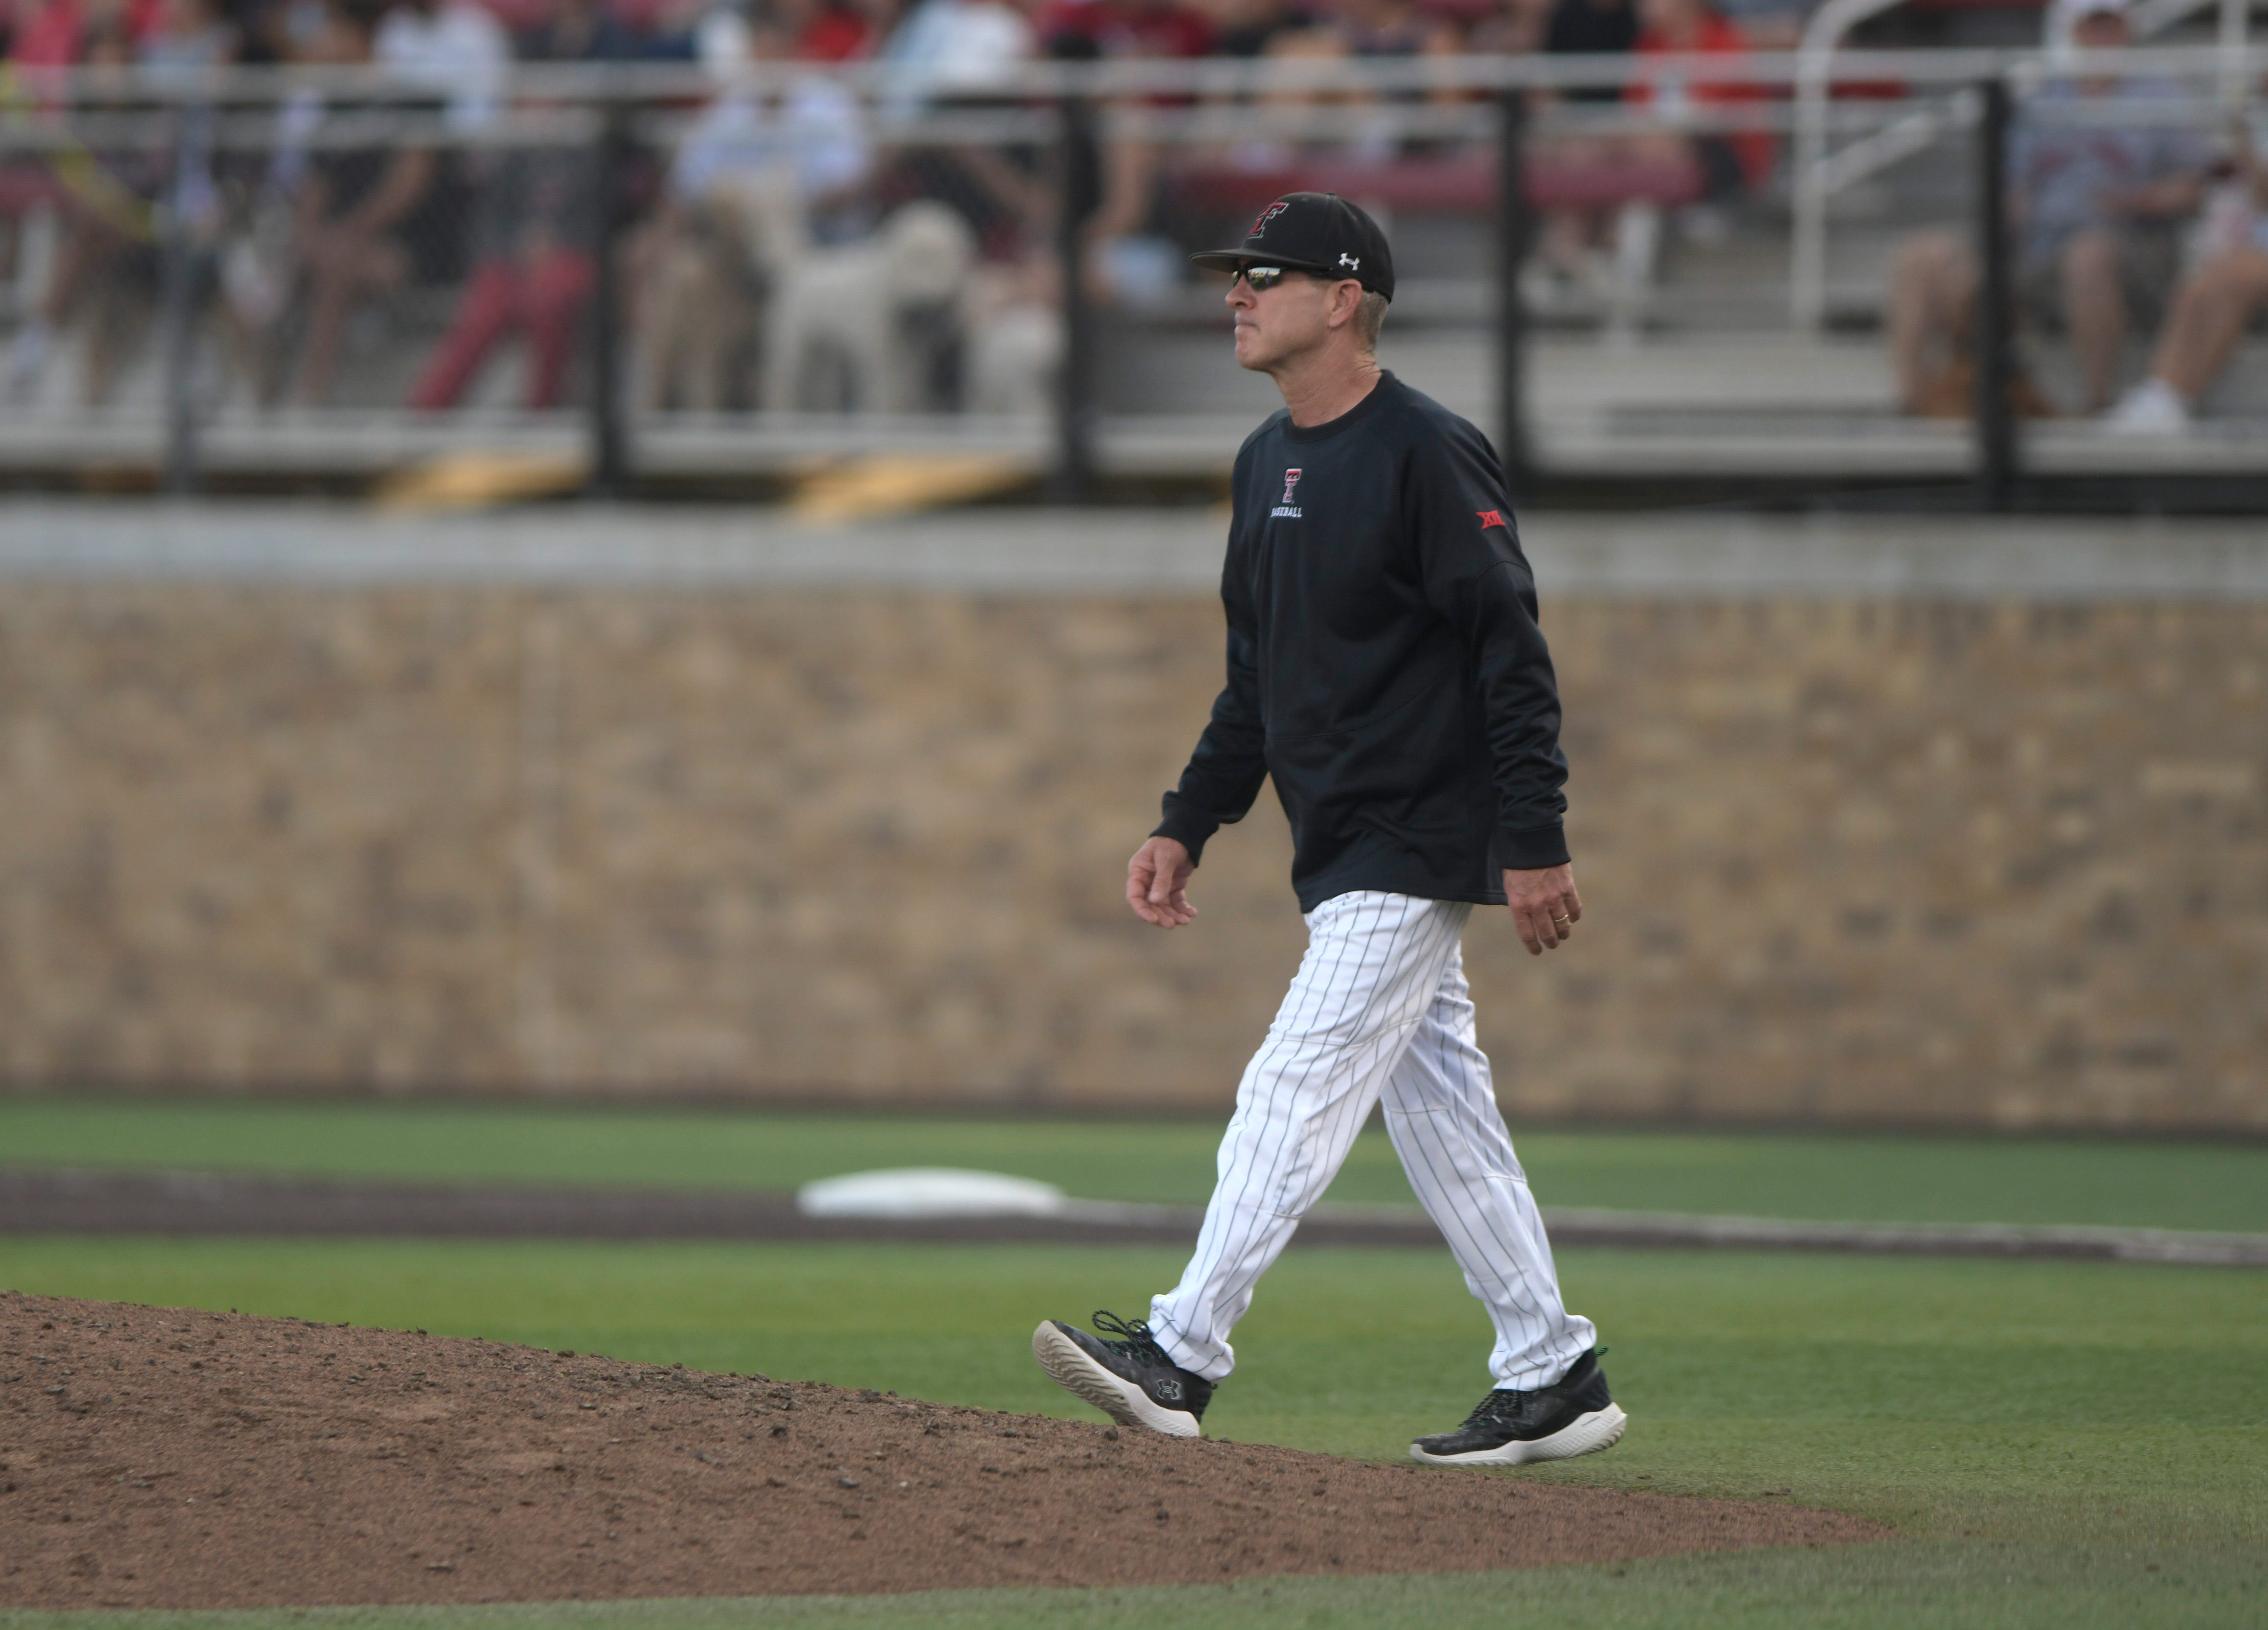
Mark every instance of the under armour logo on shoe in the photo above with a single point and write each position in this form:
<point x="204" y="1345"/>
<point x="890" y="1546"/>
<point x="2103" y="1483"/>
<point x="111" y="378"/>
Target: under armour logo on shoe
<point x="1169" y="1388"/>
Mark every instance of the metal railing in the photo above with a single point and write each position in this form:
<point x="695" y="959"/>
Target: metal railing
<point x="1059" y="116"/>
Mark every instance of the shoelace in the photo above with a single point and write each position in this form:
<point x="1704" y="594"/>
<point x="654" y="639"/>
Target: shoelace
<point x="1498" y="1405"/>
<point x="1505" y="1405"/>
<point x="1138" y="1342"/>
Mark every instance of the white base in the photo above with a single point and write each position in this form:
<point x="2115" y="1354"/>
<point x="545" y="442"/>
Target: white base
<point x="1123" y="1401"/>
<point x="1586" y="1434"/>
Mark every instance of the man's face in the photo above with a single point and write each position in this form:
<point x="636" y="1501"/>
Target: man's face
<point x="1274" y="324"/>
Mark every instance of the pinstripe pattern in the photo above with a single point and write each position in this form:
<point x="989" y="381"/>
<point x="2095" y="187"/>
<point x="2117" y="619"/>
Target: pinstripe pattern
<point x="1378" y="1009"/>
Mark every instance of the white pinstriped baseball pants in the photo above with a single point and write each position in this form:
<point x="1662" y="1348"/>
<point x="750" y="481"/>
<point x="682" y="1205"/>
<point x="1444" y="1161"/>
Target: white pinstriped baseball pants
<point x="1379" y="1012"/>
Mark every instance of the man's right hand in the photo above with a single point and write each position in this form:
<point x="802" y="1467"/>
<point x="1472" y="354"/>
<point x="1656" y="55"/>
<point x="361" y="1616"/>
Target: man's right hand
<point x="1158" y="883"/>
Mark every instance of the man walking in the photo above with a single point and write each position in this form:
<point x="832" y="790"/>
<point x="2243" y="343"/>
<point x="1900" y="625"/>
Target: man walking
<point x="1385" y="666"/>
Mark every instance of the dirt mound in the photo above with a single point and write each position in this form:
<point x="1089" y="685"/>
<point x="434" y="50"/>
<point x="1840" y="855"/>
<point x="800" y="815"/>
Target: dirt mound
<point x="156" y="1457"/>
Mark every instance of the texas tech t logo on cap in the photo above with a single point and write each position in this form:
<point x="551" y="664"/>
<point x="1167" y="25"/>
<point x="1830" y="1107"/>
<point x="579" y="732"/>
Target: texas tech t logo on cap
<point x="1284" y="508"/>
<point x="1321" y="234"/>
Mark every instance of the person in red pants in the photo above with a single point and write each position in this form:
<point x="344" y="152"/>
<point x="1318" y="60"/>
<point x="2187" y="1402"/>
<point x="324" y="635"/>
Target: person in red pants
<point x="532" y="273"/>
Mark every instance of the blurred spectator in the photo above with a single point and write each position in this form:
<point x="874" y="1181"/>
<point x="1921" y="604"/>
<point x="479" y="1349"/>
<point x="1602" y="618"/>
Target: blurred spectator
<point x="2213" y="306"/>
<point x="1478" y="27"/>
<point x="532" y="273"/>
<point x="47" y="34"/>
<point x="1125" y="254"/>
<point x="535" y="231"/>
<point x="1687" y="159"/>
<point x="1730" y="163"/>
<point x="458" y="51"/>
<point x="823" y="31"/>
<point x="944" y="47"/>
<point x="281" y="31"/>
<point x="964" y="50"/>
<point x="456" y="46"/>
<point x="1388" y="28"/>
<point x="367" y="220"/>
<point x="106" y="268"/>
<point x="1509" y="27"/>
<point x="1360" y="132"/>
<point x="1572" y="241"/>
<point x="812" y="135"/>
<point x="1247" y="27"/>
<point x="186" y="35"/>
<point x="910" y="317"/>
<point x="2096" y="211"/>
<point x="57" y="33"/>
<point x="1592" y="28"/>
<point x="1768" y="25"/>
<point x="757" y="181"/>
<point x="1092" y="28"/>
<point x="579" y="31"/>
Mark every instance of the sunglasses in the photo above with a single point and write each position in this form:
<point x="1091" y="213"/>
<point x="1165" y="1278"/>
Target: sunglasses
<point x="1260" y="278"/>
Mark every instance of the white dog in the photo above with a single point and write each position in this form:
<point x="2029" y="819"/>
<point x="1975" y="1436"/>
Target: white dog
<point x="877" y="326"/>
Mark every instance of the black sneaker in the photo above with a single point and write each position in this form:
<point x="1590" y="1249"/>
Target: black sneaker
<point x="1572" y="1416"/>
<point x="1130" y="1380"/>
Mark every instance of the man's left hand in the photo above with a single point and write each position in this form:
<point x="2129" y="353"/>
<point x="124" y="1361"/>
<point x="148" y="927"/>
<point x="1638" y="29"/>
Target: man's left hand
<point x="1545" y="907"/>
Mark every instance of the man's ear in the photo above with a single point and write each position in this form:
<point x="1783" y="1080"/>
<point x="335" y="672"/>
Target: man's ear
<point x="1346" y="299"/>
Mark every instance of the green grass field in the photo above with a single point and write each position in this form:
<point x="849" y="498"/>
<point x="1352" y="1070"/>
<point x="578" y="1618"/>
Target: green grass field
<point x="2058" y="1444"/>
<point x="1853" y="1178"/>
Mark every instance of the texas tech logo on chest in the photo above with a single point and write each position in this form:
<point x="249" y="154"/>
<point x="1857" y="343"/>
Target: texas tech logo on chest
<point x="1284" y="508"/>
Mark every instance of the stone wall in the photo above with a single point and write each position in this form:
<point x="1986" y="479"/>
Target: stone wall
<point x="1912" y="857"/>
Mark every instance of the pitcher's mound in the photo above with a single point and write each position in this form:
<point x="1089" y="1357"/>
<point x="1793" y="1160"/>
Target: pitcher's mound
<point x="153" y="1458"/>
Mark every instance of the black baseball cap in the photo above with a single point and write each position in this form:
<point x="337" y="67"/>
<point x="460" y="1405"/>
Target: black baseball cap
<point x="1319" y="232"/>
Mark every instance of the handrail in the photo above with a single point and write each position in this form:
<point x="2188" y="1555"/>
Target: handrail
<point x="1880" y="132"/>
<point x="1815" y="53"/>
<point x="27" y="93"/>
<point x="1899" y="139"/>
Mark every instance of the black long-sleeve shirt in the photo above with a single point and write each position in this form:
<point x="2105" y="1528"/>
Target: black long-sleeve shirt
<point x="1385" y="665"/>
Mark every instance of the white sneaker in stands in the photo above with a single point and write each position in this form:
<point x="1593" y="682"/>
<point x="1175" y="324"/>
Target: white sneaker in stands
<point x="2153" y="408"/>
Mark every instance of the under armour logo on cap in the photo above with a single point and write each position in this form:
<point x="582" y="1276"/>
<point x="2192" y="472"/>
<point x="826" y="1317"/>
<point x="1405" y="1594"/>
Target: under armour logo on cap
<point x="1352" y="262"/>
